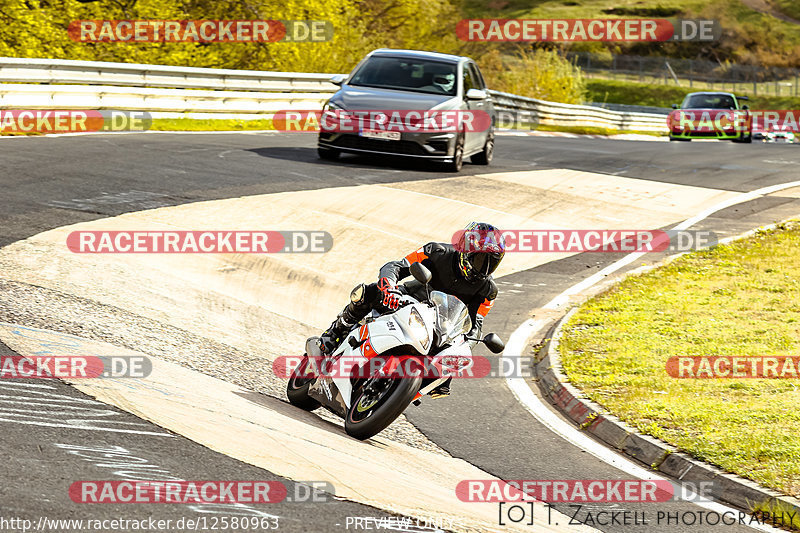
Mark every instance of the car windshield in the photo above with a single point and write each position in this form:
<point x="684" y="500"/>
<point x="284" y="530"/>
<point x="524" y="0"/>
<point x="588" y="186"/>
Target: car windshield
<point x="406" y="74"/>
<point x="709" y="101"/>
<point x="452" y="317"/>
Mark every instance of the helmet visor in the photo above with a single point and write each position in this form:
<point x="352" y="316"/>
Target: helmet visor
<point x="482" y="264"/>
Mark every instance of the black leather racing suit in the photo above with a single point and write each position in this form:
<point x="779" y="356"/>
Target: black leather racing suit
<point x="442" y="260"/>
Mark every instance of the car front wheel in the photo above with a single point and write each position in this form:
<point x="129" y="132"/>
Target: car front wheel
<point x="484" y="157"/>
<point x="458" y="155"/>
<point x="329" y="154"/>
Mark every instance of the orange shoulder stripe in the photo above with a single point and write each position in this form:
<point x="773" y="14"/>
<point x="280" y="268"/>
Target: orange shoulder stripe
<point x="417" y="256"/>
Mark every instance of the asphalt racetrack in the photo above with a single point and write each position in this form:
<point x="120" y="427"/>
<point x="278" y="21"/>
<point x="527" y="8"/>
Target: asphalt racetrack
<point x="55" y="434"/>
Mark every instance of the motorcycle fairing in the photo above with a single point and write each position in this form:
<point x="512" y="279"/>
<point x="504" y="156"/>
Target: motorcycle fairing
<point x="371" y="339"/>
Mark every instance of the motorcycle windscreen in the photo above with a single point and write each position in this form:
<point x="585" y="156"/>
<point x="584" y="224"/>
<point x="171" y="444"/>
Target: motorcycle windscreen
<point x="452" y="317"/>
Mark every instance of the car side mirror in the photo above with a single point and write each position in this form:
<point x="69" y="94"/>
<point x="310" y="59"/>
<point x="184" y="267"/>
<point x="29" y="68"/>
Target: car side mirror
<point x="494" y="343"/>
<point x="745" y="107"/>
<point x="338" y="79"/>
<point x="674" y="106"/>
<point x="421" y="273"/>
<point x="476" y="94"/>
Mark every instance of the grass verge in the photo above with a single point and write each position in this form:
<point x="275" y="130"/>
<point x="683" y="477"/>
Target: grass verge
<point x="632" y="93"/>
<point x="188" y="124"/>
<point x="785" y="516"/>
<point x="227" y="125"/>
<point x="191" y="124"/>
<point x="740" y="299"/>
<point x="593" y="130"/>
<point x="748" y="37"/>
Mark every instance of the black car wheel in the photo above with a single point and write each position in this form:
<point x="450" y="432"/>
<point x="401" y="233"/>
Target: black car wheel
<point x="485" y="156"/>
<point x="329" y="154"/>
<point x="458" y="155"/>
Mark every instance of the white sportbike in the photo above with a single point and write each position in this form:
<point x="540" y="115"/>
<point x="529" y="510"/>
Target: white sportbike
<point x="387" y="361"/>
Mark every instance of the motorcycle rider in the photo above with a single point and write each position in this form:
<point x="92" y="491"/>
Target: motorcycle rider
<point x="463" y="270"/>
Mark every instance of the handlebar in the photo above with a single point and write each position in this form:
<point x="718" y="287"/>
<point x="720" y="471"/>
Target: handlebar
<point x="403" y="300"/>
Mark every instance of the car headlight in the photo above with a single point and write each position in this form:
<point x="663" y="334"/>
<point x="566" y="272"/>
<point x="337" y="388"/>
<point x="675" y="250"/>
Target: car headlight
<point x="330" y="106"/>
<point x="418" y="329"/>
<point x="329" y="120"/>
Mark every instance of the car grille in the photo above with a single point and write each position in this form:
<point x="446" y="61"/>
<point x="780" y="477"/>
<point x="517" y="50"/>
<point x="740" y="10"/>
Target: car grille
<point x="375" y="145"/>
<point x="439" y="146"/>
<point x="711" y="133"/>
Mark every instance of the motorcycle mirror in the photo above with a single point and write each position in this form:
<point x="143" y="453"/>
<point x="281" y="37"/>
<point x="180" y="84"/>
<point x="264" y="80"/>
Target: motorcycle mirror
<point x="421" y="273"/>
<point x="494" y="343"/>
<point x="312" y="347"/>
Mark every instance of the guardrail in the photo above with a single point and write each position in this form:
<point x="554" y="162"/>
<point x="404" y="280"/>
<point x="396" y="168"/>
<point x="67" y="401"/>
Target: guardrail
<point x="57" y="71"/>
<point x="556" y="114"/>
<point x="168" y="91"/>
<point x="625" y="108"/>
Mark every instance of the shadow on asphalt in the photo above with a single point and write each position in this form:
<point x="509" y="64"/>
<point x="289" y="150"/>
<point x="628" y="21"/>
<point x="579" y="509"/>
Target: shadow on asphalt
<point x="309" y="155"/>
<point x="283" y="407"/>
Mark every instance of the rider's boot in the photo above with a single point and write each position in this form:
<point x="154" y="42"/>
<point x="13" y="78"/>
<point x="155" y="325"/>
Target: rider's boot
<point x="349" y="317"/>
<point x="442" y="391"/>
<point x="333" y="336"/>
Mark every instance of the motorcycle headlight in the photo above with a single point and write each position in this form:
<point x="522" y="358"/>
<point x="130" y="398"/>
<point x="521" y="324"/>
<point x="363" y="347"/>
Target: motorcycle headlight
<point x="418" y="329"/>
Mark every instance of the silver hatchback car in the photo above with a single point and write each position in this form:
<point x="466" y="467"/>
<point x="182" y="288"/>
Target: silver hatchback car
<point x="410" y="82"/>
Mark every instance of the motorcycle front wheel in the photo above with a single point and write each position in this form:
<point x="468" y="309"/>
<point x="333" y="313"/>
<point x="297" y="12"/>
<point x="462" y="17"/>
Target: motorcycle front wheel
<point x="378" y="404"/>
<point x="297" y="388"/>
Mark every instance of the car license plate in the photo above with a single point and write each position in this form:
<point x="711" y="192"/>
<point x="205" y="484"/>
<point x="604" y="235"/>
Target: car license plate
<point x="381" y="134"/>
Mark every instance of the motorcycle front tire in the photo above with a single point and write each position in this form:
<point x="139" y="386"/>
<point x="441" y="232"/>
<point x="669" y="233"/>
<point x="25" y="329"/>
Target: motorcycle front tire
<point x="391" y="406"/>
<point x="297" y="389"/>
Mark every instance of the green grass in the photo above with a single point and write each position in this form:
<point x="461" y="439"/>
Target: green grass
<point x="734" y="11"/>
<point x="583" y="8"/>
<point x="788" y="7"/>
<point x="227" y="125"/>
<point x="782" y="513"/>
<point x="190" y="124"/>
<point x="749" y="37"/>
<point x="626" y="92"/>
<point x="593" y="130"/>
<point x="623" y="92"/>
<point x="738" y="299"/>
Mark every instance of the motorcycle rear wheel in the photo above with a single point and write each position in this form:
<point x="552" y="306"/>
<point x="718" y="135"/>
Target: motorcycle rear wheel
<point x="372" y="411"/>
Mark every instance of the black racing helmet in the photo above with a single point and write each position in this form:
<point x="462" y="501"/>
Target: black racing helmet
<point x="480" y="248"/>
